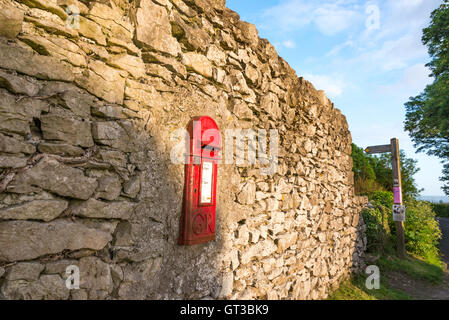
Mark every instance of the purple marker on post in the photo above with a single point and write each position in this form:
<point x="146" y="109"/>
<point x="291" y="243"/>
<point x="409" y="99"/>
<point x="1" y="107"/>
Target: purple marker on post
<point x="397" y="195"/>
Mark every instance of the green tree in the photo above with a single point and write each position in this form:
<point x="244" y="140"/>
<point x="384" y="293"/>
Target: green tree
<point x="427" y="117"/>
<point x="373" y="173"/>
<point x="408" y="171"/>
<point x="363" y="167"/>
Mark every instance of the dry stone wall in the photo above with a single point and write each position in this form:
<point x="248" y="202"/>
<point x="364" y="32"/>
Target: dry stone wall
<point x="90" y="92"/>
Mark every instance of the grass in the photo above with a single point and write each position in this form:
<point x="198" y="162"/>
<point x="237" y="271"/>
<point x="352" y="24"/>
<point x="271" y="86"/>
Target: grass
<point x="355" y="289"/>
<point x="431" y="271"/>
<point x="414" y="267"/>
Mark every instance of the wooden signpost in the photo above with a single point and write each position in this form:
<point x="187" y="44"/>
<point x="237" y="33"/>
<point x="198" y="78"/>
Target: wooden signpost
<point x="398" y="207"/>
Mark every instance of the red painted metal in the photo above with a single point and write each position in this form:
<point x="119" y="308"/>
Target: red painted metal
<point x="197" y="223"/>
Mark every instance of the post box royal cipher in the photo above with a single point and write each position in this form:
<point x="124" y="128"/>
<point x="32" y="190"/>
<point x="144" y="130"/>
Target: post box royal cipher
<point x="197" y="223"/>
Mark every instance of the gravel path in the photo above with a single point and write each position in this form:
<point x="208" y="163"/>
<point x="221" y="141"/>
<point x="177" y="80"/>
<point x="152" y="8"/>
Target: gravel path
<point x="420" y="289"/>
<point x="444" y="243"/>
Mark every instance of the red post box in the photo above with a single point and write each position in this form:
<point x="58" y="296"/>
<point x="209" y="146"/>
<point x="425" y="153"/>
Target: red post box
<point x="197" y="223"/>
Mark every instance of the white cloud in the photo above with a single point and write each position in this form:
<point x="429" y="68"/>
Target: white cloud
<point x="399" y="17"/>
<point x="290" y="14"/>
<point x="289" y="44"/>
<point x="336" y="50"/>
<point x="333" y="86"/>
<point x="330" y="17"/>
<point x="394" y="54"/>
<point x="413" y="80"/>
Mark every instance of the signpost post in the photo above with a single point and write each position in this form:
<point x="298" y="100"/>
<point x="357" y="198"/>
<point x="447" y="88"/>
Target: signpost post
<point x="398" y="208"/>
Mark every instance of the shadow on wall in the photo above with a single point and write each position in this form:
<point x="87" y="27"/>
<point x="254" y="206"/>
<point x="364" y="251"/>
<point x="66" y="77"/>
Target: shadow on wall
<point x="118" y="190"/>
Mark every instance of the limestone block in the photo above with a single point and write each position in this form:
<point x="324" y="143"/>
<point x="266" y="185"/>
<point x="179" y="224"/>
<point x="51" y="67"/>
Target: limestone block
<point x="263" y="186"/>
<point x="12" y="162"/>
<point x="241" y="110"/>
<point x="133" y="65"/>
<point x="249" y="33"/>
<point x="71" y="97"/>
<point x="227" y="285"/>
<point x="91" y="30"/>
<point x="14" y="57"/>
<point x="96" y="278"/>
<point x="207" y="5"/>
<point x="226" y="40"/>
<point x="193" y="37"/>
<point x="103" y="210"/>
<point x="25" y="271"/>
<point x="235" y="259"/>
<point x="272" y="204"/>
<point x="261" y="249"/>
<point x="238" y="82"/>
<point x="254" y="236"/>
<point x="16" y="115"/>
<point x="183" y="8"/>
<point x="47" y="238"/>
<point x="129" y="46"/>
<point x="50" y="175"/>
<point x="113" y="134"/>
<point x="277" y="217"/>
<point x="132" y="187"/>
<point x="109" y="187"/>
<point x="153" y="28"/>
<point x="283" y="186"/>
<point x="248" y="193"/>
<point x="48" y="287"/>
<point x="60" y="149"/>
<point x="146" y="95"/>
<point x="286" y="241"/>
<point x="59" y="266"/>
<point x="45" y="210"/>
<point x="270" y="104"/>
<point x="50" y="6"/>
<point x="262" y="195"/>
<point x="18" y="84"/>
<point x="216" y="55"/>
<point x="11" y="20"/>
<point x="67" y="129"/>
<point x="252" y="74"/>
<point x="115" y="158"/>
<point x="12" y="145"/>
<point x="124" y="235"/>
<point x="198" y="63"/>
<point x="58" y="50"/>
<point x="243" y="235"/>
<point x="103" y="81"/>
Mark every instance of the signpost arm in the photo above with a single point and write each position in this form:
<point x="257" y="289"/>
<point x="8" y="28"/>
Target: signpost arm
<point x="397" y="185"/>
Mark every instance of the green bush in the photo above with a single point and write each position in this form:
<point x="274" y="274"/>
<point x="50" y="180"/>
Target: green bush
<point x="376" y="219"/>
<point x="383" y="198"/>
<point x="422" y="231"/>
<point x="441" y="209"/>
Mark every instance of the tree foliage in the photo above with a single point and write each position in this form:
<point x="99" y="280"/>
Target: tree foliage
<point x="427" y="115"/>
<point x="422" y="231"/>
<point x="373" y="173"/>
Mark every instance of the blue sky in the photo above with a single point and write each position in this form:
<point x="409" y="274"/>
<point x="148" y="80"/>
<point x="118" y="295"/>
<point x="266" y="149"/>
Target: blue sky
<point x="366" y="55"/>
